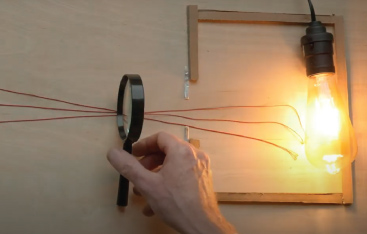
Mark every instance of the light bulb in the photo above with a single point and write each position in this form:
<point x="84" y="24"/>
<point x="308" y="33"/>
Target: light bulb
<point x="330" y="142"/>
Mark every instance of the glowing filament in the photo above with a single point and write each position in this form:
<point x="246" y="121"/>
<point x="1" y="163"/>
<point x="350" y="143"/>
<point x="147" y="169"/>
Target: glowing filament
<point x="326" y="119"/>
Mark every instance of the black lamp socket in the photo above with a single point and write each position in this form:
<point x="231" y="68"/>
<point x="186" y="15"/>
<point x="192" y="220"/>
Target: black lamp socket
<point x="318" y="49"/>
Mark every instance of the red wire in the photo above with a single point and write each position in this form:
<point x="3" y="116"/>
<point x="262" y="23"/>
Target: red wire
<point x="150" y="112"/>
<point x="56" y="100"/>
<point x="57" y="109"/>
<point x="233" y="121"/>
<point x="172" y="115"/>
<point x="56" y="118"/>
<point x="293" y="154"/>
<point x="231" y="107"/>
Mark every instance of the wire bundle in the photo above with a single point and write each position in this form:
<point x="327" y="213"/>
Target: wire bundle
<point x="105" y="112"/>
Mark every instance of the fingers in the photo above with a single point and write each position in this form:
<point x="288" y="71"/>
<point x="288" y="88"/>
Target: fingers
<point x="129" y="167"/>
<point x="152" y="161"/>
<point x="204" y="158"/>
<point x="159" y="142"/>
<point x="147" y="211"/>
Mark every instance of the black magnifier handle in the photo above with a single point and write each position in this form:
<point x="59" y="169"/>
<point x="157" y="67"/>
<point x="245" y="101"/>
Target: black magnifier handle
<point x="123" y="190"/>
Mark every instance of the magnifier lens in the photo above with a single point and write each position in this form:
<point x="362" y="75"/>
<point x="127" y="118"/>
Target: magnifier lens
<point x="127" y="107"/>
<point x="130" y="101"/>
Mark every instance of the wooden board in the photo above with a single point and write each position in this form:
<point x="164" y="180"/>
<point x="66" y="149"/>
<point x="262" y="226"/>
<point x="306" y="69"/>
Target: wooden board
<point x="54" y="177"/>
<point x="192" y="30"/>
<point x="339" y="188"/>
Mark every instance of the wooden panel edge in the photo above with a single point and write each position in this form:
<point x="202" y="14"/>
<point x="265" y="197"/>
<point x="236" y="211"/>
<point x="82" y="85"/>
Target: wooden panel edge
<point x="347" y="185"/>
<point x="210" y="15"/>
<point x="193" y="44"/>
<point x="342" y="73"/>
<point x="327" y="198"/>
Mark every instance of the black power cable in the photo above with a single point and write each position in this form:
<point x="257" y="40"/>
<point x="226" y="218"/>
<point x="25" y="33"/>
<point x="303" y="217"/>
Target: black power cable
<point x="312" y="9"/>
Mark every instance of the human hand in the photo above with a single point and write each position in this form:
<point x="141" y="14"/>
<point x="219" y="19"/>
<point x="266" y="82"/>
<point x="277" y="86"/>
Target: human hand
<point x="180" y="189"/>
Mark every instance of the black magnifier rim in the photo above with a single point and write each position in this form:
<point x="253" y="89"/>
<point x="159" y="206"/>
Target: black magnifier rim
<point x="137" y="107"/>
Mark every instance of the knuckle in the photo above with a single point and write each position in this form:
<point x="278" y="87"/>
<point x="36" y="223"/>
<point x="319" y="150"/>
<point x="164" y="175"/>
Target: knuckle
<point x="125" y="168"/>
<point x="205" y="157"/>
<point x="140" y="183"/>
<point x="139" y="180"/>
<point x="186" y="150"/>
<point x="148" y="185"/>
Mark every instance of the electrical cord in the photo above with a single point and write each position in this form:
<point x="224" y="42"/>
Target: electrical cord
<point x="312" y="9"/>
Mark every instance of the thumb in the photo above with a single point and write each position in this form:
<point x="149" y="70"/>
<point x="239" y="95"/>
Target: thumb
<point x="128" y="166"/>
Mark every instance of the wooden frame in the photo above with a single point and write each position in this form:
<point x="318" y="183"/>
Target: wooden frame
<point x="194" y="16"/>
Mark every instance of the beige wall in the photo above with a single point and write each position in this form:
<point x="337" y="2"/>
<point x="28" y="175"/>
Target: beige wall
<point x="54" y="177"/>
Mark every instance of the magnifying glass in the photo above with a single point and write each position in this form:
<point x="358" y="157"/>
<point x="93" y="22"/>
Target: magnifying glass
<point x="130" y="117"/>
